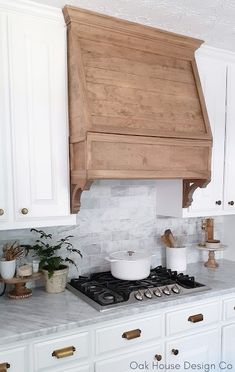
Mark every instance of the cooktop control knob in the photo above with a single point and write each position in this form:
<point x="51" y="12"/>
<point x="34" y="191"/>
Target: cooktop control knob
<point x="148" y="293"/>
<point x="175" y="289"/>
<point x="139" y="296"/>
<point x="166" y="291"/>
<point x="158" y="292"/>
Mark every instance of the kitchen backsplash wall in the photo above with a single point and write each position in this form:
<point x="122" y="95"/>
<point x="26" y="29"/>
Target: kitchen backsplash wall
<point x="117" y="215"/>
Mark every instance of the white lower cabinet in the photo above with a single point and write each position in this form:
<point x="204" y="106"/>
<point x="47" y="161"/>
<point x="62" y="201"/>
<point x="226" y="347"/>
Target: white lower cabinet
<point x="156" y="341"/>
<point x="134" y="361"/>
<point x="196" y="350"/>
<point x="228" y="347"/>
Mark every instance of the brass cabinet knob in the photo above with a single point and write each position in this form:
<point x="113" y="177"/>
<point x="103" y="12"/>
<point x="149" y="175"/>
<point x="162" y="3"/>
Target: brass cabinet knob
<point x="64" y="353"/>
<point x="1" y="214"/>
<point x="158" y="357"/>
<point x="24" y="211"/>
<point x="218" y="202"/>
<point x="231" y="202"/>
<point x="129" y="335"/>
<point x="4" y="367"/>
<point x="175" y="351"/>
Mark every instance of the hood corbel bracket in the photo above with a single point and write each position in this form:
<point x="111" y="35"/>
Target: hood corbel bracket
<point x="189" y="186"/>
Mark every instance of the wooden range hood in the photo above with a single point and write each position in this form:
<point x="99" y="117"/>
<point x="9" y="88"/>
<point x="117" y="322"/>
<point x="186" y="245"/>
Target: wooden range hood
<point x="135" y="104"/>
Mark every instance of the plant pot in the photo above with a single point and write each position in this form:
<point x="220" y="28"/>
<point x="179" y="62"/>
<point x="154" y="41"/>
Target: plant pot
<point x="7" y="268"/>
<point x="57" y="282"/>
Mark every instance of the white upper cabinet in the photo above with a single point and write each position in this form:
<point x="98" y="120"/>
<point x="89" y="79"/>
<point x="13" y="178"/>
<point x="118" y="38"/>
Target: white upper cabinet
<point x="217" y="74"/>
<point x="229" y="171"/>
<point x="37" y="117"/>
<point x="5" y="148"/>
<point x="212" y="72"/>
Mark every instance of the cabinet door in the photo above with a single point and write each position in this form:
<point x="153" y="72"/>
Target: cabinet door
<point x="198" y="349"/>
<point x="228" y="345"/>
<point x="209" y="201"/>
<point x="147" y="359"/>
<point x="39" y="118"/>
<point x="229" y="179"/>
<point x="5" y="144"/>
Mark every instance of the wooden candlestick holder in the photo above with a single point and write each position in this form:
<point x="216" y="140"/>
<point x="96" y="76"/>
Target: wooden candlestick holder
<point x="20" y="291"/>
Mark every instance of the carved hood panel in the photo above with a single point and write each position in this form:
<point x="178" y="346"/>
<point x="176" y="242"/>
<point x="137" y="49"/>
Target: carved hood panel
<point x="136" y="106"/>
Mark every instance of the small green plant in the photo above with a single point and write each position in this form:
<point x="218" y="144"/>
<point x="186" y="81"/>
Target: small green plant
<point x="46" y="252"/>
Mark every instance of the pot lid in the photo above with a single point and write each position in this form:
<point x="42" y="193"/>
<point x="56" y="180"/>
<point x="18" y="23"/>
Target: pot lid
<point x="129" y="255"/>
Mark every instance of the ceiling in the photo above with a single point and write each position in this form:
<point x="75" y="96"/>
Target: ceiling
<point x="210" y="20"/>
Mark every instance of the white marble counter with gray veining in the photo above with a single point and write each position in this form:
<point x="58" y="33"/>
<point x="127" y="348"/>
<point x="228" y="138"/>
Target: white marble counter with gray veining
<point x="44" y="313"/>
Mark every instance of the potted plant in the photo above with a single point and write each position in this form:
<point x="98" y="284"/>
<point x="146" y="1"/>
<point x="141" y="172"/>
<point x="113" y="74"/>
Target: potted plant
<point x="51" y="263"/>
<point x="8" y="261"/>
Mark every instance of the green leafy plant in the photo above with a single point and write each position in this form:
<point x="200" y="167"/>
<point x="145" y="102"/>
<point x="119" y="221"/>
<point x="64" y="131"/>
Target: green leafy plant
<point x="46" y="252"/>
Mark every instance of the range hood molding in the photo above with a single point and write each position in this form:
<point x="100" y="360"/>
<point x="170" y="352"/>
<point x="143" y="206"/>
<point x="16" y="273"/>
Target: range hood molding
<point x="136" y="105"/>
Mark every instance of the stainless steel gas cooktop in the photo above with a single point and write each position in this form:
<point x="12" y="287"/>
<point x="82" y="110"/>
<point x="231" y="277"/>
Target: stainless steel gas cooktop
<point x="104" y="292"/>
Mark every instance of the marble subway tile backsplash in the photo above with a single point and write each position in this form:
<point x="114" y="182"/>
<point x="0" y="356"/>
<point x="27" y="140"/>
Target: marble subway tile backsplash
<point x="120" y="215"/>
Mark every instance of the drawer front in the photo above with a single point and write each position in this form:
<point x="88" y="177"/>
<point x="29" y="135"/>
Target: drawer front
<point x="57" y="352"/>
<point x="15" y="359"/>
<point x="192" y="318"/>
<point x="128" y="334"/>
<point x="229" y="309"/>
<point x="137" y="361"/>
<point x="85" y="368"/>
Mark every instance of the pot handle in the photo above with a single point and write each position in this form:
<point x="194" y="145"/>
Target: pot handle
<point x="110" y="259"/>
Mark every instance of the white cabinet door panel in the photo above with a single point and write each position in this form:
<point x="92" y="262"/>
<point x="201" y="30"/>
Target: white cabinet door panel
<point x="197" y="349"/>
<point x="228" y="345"/>
<point x="229" y="179"/>
<point x="5" y="147"/>
<point x="213" y="80"/>
<point x="39" y="117"/>
<point x="141" y="360"/>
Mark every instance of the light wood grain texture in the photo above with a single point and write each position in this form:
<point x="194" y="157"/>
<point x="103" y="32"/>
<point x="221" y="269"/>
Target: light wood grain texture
<point x="135" y="101"/>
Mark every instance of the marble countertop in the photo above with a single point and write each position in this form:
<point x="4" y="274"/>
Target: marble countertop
<point x="44" y="313"/>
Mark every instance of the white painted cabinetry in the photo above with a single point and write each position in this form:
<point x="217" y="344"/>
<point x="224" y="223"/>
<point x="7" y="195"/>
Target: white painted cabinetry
<point x="34" y="173"/>
<point x="217" y="74"/>
<point x="194" y="350"/>
<point x="157" y="340"/>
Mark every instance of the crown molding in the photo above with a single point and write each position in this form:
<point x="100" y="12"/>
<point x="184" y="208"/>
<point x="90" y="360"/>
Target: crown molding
<point x="32" y="8"/>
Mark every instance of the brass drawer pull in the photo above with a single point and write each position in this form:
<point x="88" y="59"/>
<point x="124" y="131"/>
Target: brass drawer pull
<point x="63" y="353"/>
<point x="158" y="357"/>
<point x="196" y="318"/>
<point x="129" y="335"/>
<point x="4" y="367"/>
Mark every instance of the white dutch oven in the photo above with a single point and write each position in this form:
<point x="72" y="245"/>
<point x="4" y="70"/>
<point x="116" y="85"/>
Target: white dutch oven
<point x="130" y="265"/>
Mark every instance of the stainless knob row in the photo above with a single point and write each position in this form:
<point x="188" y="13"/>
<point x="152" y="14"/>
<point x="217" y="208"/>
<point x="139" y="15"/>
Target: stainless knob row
<point x="157" y="292"/>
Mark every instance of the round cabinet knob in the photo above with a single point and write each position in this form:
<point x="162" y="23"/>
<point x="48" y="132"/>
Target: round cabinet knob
<point x="2" y="212"/>
<point x="24" y="211"/>
<point x="158" y="357"/>
<point x="175" y="351"/>
<point x="231" y="202"/>
<point x="218" y="202"/>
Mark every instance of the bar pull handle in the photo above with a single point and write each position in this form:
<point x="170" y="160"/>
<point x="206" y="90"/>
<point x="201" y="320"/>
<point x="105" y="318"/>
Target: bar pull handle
<point x="130" y="335"/>
<point x="64" y="353"/>
<point x="196" y="318"/>
<point x="4" y="367"/>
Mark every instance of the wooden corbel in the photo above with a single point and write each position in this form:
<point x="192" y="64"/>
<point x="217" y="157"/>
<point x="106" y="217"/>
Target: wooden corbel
<point x="76" y="193"/>
<point x="189" y="186"/>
